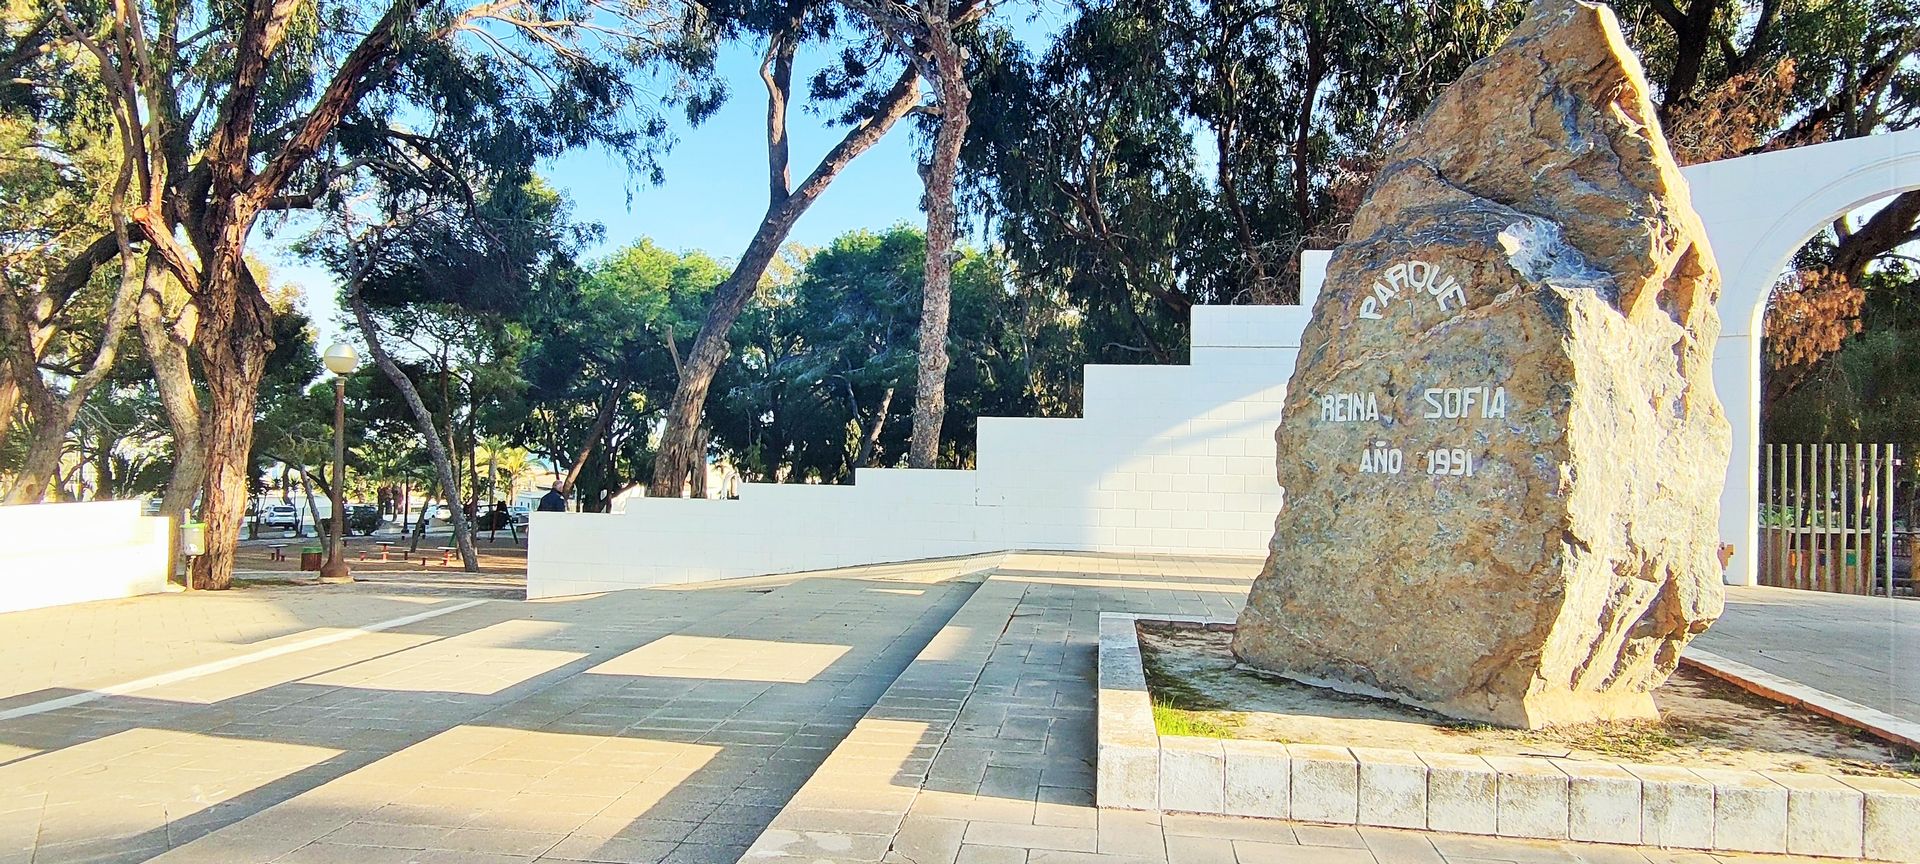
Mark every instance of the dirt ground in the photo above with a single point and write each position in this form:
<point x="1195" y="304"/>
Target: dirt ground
<point x="1704" y="721"/>
<point x="500" y="555"/>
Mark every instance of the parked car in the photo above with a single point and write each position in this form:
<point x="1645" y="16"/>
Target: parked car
<point x="281" y="516"/>
<point x="362" y="519"/>
<point x="521" y="513"/>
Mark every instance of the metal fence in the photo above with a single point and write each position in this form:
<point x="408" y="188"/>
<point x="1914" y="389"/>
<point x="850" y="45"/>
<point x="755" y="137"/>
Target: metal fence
<point x="1827" y="517"/>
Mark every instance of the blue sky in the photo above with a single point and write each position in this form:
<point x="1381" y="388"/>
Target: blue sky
<point x="715" y="189"/>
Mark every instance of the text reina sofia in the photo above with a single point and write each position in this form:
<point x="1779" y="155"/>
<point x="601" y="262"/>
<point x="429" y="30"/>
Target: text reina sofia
<point x="1483" y="402"/>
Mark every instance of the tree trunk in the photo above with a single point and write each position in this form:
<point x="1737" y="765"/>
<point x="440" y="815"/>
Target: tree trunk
<point x="233" y="383"/>
<point x="608" y="410"/>
<point x="677" y="455"/>
<point x="324" y="532"/>
<point x="166" y="345"/>
<point x="871" y="439"/>
<point x="930" y="391"/>
<point x="442" y="464"/>
<point x="54" y="418"/>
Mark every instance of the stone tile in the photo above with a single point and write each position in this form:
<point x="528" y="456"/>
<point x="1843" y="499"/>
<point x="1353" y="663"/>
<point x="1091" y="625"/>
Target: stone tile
<point x="1749" y="811"/>
<point x="1603" y="802"/>
<point x="1192" y="774"/>
<point x="1892" y="817"/>
<point x="1392" y="788"/>
<point x="1054" y="856"/>
<point x="1824" y="815"/>
<point x="619" y="850"/>
<point x="1227" y="828"/>
<point x="1032" y="837"/>
<point x="1400" y="846"/>
<point x="1325" y="784"/>
<point x="1463" y="794"/>
<point x="1128" y="776"/>
<point x="925" y="840"/>
<point x="1199" y="850"/>
<point x="991" y="855"/>
<point x="1256" y="852"/>
<point x="1533" y="797"/>
<point x="701" y="853"/>
<point x="1259" y="777"/>
<point x="1676" y="807"/>
<point x="1131" y="832"/>
<point x="1338" y="836"/>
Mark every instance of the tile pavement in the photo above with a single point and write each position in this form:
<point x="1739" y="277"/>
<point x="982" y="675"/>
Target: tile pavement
<point x="1010" y="779"/>
<point x="1866" y="649"/>
<point x="719" y="722"/>
<point x="504" y="732"/>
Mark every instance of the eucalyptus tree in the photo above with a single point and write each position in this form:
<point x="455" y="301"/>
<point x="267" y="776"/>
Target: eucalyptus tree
<point x="224" y="113"/>
<point x="613" y="345"/>
<point x="1162" y="153"/>
<point x="864" y="94"/>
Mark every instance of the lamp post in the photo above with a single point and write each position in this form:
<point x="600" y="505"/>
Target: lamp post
<point x="341" y="360"/>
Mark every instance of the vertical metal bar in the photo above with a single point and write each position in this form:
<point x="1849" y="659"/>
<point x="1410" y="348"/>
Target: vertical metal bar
<point x="1870" y="541"/>
<point x="1799" y="515"/>
<point x="1893" y="454"/>
<point x="1767" y="507"/>
<point x="1845" y="528"/>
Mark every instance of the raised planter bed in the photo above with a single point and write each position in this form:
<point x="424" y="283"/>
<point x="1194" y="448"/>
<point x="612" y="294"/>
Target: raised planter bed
<point x="1511" y="796"/>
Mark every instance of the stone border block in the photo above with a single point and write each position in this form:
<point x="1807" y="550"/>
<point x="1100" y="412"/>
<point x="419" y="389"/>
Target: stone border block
<point x="1603" y="802"/>
<point x="1259" y="775"/>
<point x="1533" y="797"/>
<point x="1892" y="817"/>
<point x="1326" y="784"/>
<point x="1392" y="789"/>
<point x="1749" y="811"/>
<point x="1463" y="794"/>
<point x="1541" y="797"/>
<point x="1824" y="815"/>
<point x="1193" y="774"/>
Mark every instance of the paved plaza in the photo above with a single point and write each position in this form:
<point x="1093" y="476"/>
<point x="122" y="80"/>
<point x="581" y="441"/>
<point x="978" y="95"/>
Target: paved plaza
<point x="931" y="713"/>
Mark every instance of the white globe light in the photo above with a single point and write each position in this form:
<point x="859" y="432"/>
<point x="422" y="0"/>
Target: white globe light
<point x="341" y="359"/>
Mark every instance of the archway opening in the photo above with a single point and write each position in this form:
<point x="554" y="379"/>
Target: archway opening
<point x="1838" y="395"/>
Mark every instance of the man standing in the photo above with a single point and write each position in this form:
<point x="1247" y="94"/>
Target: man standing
<point x="555" y="500"/>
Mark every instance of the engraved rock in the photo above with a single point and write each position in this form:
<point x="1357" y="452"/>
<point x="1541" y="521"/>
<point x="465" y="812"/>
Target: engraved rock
<point x="1501" y="447"/>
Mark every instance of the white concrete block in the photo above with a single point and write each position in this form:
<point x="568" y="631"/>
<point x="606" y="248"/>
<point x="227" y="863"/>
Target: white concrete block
<point x="1892" y="817"/>
<point x="1676" y="807"/>
<point x="1127" y="776"/>
<point x="1259" y="777"/>
<point x="1193" y="774"/>
<point x="1603" y="802"/>
<point x="1824" y="815"/>
<point x="1326" y="784"/>
<point x="1749" y="811"/>
<point x="1393" y="788"/>
<point x="1462" y="794"/>
<point x="1533" y="797"/>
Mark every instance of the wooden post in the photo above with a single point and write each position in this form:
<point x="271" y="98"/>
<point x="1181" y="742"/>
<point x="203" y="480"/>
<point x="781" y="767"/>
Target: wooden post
<point x="1799" y="579"/>
<point x="1767" y="506"/>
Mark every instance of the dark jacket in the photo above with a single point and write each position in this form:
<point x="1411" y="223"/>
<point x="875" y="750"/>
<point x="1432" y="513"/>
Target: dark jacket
<point x="553" y="501"/>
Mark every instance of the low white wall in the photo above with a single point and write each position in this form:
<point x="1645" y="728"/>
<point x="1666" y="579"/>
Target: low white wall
<point x="51" y="554"/>
<point x="1173" y="459"/>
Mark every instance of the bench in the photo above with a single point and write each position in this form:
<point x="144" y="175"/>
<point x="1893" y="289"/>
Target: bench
<point x="274" y="553"/>
<point x="446" y="555"/>
<point x="386" y="546"/>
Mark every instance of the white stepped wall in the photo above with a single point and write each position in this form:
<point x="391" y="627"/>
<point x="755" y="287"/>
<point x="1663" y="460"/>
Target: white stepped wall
<point x="1169" y="459"/>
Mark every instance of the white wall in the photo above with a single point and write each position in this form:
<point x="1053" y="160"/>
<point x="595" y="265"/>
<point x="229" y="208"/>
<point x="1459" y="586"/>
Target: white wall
<point x="1175" y="459"/>
<point x="52" y="554"/>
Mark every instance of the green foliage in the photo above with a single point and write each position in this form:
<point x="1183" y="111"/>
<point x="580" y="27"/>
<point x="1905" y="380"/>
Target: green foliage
<point x="1869" y="391"/>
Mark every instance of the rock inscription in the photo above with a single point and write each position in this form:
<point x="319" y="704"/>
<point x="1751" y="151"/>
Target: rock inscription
<point x="1501" y="448"/>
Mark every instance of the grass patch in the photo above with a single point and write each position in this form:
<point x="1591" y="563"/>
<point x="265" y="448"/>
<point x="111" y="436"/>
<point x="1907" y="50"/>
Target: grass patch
<point x="1179" y="708"/>
<point x="1169" y="720"/>
<point x="1620" y="739"/>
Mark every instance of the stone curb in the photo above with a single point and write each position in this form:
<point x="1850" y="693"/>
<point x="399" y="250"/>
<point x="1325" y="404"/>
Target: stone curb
<point x="1669" y="806"/>
<point x="1759" y="682"/>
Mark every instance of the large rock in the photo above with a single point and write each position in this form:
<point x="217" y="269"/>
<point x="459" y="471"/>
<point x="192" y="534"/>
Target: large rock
<point x="1501" y="447"/>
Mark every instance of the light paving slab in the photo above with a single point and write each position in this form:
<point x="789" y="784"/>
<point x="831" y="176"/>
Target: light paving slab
<point x="1463" y="794"/>
<point x="1393" y="788"/>
<point x="1326" y="783"/>
<point x="1603" y="802"/>
<point x="1533" y="797"/>
<point x="1824" y="815"/>
<point x="1749" y="811"/>
<point x="1259" y="779"/>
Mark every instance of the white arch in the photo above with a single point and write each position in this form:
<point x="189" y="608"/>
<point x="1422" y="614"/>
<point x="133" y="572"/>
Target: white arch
<point x="1758" y="211"/>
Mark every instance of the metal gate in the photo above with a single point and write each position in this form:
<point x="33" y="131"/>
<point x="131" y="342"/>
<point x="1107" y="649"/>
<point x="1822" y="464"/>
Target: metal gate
<point x="1826" y="517"/>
